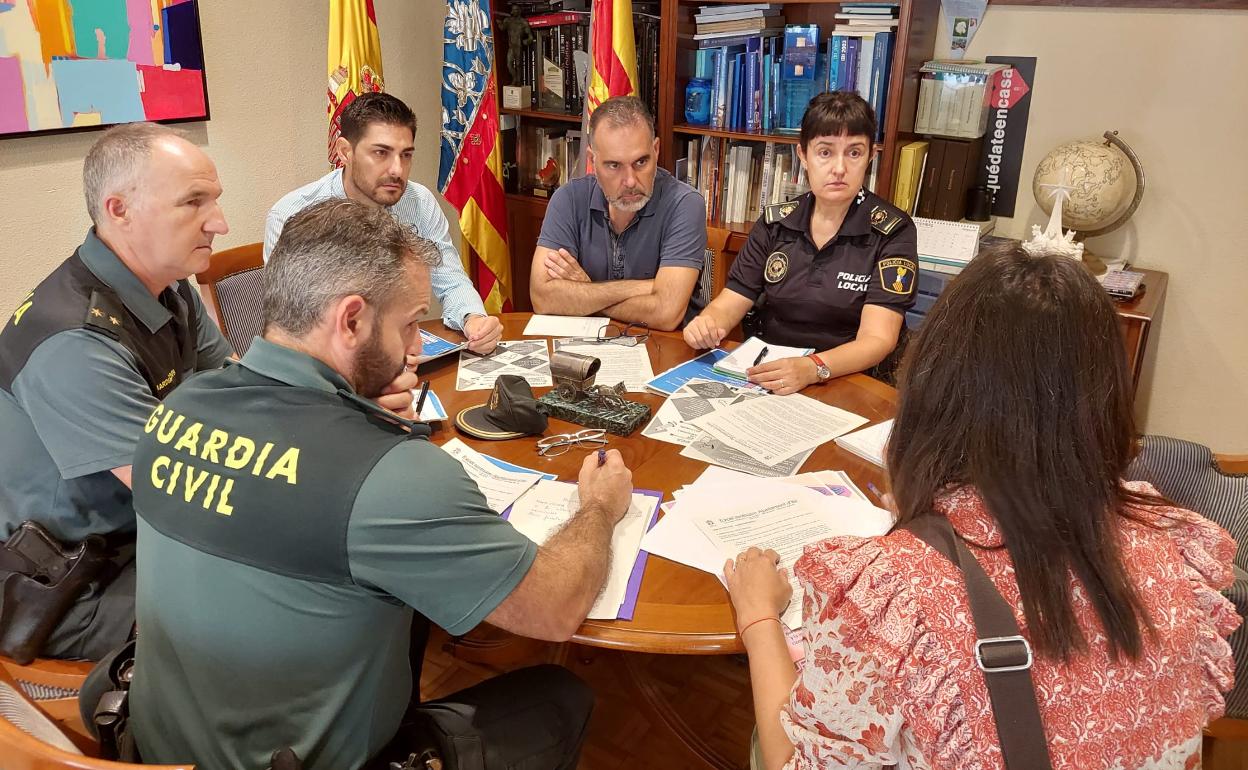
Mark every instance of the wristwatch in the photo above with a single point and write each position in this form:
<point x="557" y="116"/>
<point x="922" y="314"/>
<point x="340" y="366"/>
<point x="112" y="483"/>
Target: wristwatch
<point x="821" y="369"/>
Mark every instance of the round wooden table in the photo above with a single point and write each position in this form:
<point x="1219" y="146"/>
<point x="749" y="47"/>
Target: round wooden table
<point x="680" y="610"/>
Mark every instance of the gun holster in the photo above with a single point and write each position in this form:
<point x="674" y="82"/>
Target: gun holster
<point x="112" y="712"/>
<point x="44" y="580"/>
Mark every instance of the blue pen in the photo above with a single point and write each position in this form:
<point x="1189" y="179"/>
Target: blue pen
<point x="876" y="491"/>
<point x="602" y="457"/>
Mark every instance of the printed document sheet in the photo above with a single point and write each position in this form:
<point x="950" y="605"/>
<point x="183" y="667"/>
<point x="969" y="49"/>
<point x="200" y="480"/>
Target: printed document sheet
<point x="501" y="487"/>
<point x="777" y="427"/>
<point x="551" y="504"/>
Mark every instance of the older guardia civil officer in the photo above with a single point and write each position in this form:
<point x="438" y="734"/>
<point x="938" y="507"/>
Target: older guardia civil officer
<point x="84" y="359"/>
<point x="834" y="270"/>
<point x="627" y="241"/>
<point x="376" y="147"/>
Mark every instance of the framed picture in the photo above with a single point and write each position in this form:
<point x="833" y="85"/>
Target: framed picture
<point x="70" y="65"/>
<point x="1186" y="5"/>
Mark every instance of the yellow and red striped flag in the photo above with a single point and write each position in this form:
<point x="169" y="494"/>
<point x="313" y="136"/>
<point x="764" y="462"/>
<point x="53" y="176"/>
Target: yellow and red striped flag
<point x="470" y="174"/>
<point x="613" y="52"/>
<point x="354" y="60"/>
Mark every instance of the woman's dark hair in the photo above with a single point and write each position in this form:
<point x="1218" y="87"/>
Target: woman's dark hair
<point x="833" y="113"/>
<point x="1017" y="385"/>
<point x="370" y="108"/>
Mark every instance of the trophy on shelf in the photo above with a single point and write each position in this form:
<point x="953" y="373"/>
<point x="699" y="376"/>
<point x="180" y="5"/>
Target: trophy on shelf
<point x="577" y="399"/>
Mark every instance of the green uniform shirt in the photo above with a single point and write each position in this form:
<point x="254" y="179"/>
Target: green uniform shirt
<point x="236" y="661"/>
<point x="77" y="408"/>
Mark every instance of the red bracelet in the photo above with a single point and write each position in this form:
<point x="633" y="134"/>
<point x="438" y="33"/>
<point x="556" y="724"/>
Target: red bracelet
<point x="741" y="633"/>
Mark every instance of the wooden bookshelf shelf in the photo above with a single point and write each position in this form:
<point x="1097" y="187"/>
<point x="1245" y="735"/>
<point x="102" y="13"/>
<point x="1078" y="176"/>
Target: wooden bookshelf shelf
<point x="759" y="136"/>
<point x="561" y="116"/>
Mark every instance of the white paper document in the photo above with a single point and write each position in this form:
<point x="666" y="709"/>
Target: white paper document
<point x="868" y="443"/>
<point x="617" y="363"/>
<point x="527" y="358"/>
<point x="710" y="449"/>
<point x="564" y="326"/>
<point x="694" y="399"/>
<point x="783" y="518"/>
<point x="500" y="487"/>
<point x="777" y="427"/>
<point x="551" y="504"/>
<point x="676" y="537"/>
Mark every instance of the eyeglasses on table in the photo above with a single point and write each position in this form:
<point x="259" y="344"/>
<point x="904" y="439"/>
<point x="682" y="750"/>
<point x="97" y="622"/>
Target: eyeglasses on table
<point x="553" y="446"/>
<point x="630" y="335"/>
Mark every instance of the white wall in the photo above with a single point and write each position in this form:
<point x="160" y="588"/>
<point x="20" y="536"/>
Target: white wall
<point x="1171" y="83"/>
<point x="266" y="65"/>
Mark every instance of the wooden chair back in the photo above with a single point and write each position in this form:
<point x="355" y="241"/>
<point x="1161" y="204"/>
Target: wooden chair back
<point x="231" y="290"/>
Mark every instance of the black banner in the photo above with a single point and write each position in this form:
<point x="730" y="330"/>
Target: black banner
<point x="1009" y="106"/>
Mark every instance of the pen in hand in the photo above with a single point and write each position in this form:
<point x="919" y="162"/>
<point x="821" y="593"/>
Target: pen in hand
<point x="420" y="402"/>
<point x="761" y="355"/>
<point x="602" y="457"/>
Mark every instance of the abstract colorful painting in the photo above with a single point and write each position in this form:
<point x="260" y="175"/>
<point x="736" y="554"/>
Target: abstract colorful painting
<point x="68" y="64"/>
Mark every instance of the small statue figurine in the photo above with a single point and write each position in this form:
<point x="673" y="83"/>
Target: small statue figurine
<point x="575" y="397"/>
<point x="519" y="36"/>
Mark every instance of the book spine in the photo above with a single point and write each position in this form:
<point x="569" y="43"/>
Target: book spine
<point x="765" y="184"/>
<point x="721" y="89"/>
<point x="931" y="178"/>
<point x="556" y="19"/>
<point x="851" y="74"/>
<point x="866" y="58"/>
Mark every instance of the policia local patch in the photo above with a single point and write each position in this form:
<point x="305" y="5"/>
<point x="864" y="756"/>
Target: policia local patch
<point x="897" y="275"/>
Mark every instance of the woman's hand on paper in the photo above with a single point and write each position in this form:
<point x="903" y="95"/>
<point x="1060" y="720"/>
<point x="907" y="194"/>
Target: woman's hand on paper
<point x="758" y="586"/>
<point x="785" y="375"/>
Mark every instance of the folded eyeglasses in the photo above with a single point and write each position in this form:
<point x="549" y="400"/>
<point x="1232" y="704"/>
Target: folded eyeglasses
<point x="553" y="446"/>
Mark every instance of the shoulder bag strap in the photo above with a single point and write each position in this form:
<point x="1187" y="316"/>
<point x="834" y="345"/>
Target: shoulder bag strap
<point x="1000" y="650"/>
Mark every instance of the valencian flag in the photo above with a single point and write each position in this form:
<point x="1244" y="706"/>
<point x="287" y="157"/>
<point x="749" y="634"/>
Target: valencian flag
<point x="613" y="52"/>
<point x="354" y="59"/>
<point x="470" y="175"/>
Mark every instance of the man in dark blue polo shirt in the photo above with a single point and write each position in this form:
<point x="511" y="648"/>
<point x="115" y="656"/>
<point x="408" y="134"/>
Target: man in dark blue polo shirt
<point x="627" y="241"/>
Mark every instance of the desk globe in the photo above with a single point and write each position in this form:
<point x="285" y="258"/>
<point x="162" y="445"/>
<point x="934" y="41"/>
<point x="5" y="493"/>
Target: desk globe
<point x="1099" y="186"/>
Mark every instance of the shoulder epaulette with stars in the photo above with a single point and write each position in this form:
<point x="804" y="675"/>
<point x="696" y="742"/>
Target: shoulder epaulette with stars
<point x="105" y="314"/>
<point x="884" y="221"/>
<point x="777" y="211"/>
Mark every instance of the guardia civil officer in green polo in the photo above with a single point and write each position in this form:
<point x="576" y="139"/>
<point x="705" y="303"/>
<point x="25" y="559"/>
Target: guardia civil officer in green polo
<point x="834" y="270"/>
<point x="83" y="361"/>
<point x="288" y="528"/>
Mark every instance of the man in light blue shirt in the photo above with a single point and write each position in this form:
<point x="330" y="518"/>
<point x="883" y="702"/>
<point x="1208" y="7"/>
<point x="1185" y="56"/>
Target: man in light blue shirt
<point x="376" y="146"/>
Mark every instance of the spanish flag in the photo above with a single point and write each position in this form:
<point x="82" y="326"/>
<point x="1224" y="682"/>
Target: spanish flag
<point x="354" y="60"/>
<point x="613" y="52"/>
<point x="470" y="175"/>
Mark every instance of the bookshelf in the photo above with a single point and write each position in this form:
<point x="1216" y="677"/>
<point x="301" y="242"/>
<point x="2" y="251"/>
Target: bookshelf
<point x="914" y="45"/>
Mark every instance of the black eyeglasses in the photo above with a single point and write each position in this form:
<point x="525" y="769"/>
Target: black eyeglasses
<point x="630" y="335"/>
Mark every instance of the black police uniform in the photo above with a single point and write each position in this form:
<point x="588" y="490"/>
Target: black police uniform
<point x="813" y="297"/>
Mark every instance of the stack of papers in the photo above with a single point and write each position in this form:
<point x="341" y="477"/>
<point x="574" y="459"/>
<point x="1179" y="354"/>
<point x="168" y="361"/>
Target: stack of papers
<point x="565" y="326"/>
<point x="432" y="346"/>
<point x="544" y="510"/>
<point x="768" y="435"/>
<point x="500" y="482"/>
<point x="629" y="364"/>
<point x="744" y="357"/>
<point x="868" y="443"/>
<point x="724" y="513"/>
<point x="700" y="368"/>
<point x="696" y="398"/>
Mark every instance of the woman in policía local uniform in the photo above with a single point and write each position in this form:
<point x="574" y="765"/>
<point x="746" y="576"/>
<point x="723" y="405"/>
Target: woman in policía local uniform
<point x="835" y="269"/>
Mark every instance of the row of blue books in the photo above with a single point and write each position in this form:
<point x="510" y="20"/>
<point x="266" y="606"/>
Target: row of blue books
<point x="763" y="82"/>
